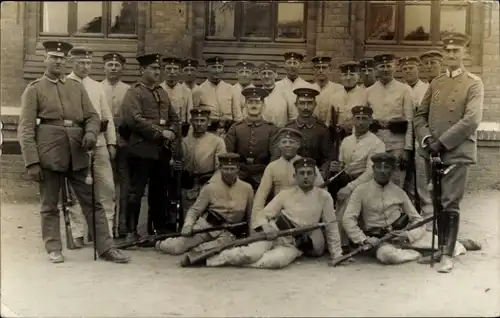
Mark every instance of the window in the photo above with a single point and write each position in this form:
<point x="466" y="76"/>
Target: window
<point x="279" y="21"/>
<point x="89" y="19"/>
<point x="415" y="21"/>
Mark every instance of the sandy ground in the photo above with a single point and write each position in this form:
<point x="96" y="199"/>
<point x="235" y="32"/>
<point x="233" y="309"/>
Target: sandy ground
<point x="153" y="285"/>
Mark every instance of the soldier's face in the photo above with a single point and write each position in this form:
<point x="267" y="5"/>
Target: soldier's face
<point x="254" y="106"/>
<point x="368" y="76"/>
<point x="172" y="72"/>
<point x="382" y="172"/>
<point x="321" y="71"/>
<point x="289" y="147"/>
<point x="200" y="124"/>
<point x="305" y="176"/>
<point x="113" y="69"/>
<point x="55" y="64"/>
<point x="189" y="74"/>
<point x="361" y="123"/>
<point x="432" y="67"/>
<point x="349" y="79"/>
<point x="386" y="71"/>
<point x="410" y="73"/>
<point x="306" y="106"/>
<point x="81" y="67"/>
<point x="268" y="77"/>
<point x="292" y="67"/>
<point x="453" y="55"/>
<point x="245" y="76"/>
<point x="229" y="173"/>
<point x="152" y="73"/>
<point x="215" y="72"/>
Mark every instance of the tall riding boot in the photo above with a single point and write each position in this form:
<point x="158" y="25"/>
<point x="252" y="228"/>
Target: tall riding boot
<point x="447" y="261"/>
<point x="441" y="225"/>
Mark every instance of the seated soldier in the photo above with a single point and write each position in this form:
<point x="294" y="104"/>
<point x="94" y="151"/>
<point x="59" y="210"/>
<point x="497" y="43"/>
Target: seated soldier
<point x="301" y="205"/>
<point x="225" y="200"/>
<point x="280" y="173"/>
<point x="381" y="206"/>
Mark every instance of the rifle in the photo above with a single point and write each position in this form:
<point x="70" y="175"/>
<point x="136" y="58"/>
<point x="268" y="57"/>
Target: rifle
<point x="194" y="258"/>
<point x="155" y="238"/>
<point x="176" y="200"/>
<point x="418" y="201"/>
<point x="331" y="179"/>
<point x="70" y="244"/>
<point x="90" y="181"/>
<point x="389" y="236"/>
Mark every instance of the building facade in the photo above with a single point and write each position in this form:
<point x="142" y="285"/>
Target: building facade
<point x="255" y="31"/>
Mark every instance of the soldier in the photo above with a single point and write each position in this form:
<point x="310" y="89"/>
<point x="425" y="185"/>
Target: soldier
<point x="433" y="64"/>
<point x="244" y="71"/>
<point x="253" y="138"/>
<point x="392" y="105"/>
<point x="317" y="143"/>
<point x="280" y="103"/>
<point x="149" y="121"/>
<point x="293" y="64"/>
<point x="382" y="206"/>
<point x="225" y="108"/>
<point x="69" y="126"/>
<point x="301" y="205"/>
<point x="115" y="90"/>
<point x="280" y="174"/>
<point x="367" y="70"/>
<point x="225" y="200"/>
<point x="180" y="96"/>
<point x="105" y="150"/>
<point x="324" y="86"/>
<point x="190" y="72"/>
<point x="446" y="124"/>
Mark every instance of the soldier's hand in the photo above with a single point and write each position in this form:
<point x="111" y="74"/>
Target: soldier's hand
<point x="343" y="193"/>
<point x="187" y="230"/>
<point x="89" y="141"/>
<point x="168" y="134"/>
<point x="404" y="159"/>
<point x="373" y="241"/>
<point x="112" y="151"/>
<point x="177" y="165"/>
<point x="435" y="147"/>
<point x="400" y="236"/>
<point x="35" y="172"/>
<point x="335" y="166"/>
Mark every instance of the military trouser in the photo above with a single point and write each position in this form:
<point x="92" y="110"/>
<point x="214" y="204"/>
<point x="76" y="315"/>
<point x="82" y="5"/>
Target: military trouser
<point x="122" y="181"/>
<point x="50" y="188"/>
<point x="104" y="193"/>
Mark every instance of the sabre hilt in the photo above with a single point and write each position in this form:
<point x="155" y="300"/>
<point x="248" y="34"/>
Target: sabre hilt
<point x="89" y="179"/>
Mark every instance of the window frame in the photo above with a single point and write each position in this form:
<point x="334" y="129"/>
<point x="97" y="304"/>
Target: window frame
<point x="435" y="25"/>
<point x="72" y="23"/>
<point x="238" y="25"/>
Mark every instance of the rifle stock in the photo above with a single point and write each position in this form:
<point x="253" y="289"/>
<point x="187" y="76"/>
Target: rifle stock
<point x="385" y="238"/>
<point x="70" y="244"/>
<point x="194" y="258"/>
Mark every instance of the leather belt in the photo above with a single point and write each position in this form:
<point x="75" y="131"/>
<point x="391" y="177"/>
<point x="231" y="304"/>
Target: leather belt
<point x="60" y="122"/>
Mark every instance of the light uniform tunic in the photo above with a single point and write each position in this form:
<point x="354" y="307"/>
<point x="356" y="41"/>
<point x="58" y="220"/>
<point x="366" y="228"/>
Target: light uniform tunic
<point x="220" y="99"/>
<point x="280" y="107"/>
<point x="200" y="155"/>
<point x="181" y="98"/>
<point x="343" y="102"/>
<point x="324" y="99"/>
<point x="287" y="84"/>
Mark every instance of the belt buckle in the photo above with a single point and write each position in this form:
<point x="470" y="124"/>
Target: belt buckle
<point x="250" y="160"/>
<point x="67" y="123"/>
<point x="163" y="121"/>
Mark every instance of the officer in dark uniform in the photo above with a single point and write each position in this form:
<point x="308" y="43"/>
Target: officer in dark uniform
<point x="253" y="138"/>
<point x="150" y="123"/>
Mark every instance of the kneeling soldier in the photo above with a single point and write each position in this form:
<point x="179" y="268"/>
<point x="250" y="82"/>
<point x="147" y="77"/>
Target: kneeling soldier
<point x="225" y="200"/>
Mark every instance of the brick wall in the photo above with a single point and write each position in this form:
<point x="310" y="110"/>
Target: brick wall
<point x="12" y="52"/>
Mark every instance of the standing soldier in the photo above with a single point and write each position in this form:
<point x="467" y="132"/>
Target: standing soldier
<point x="190" y="72"/>
<point x="115" y="90"/>
<point x="244" y="71"/>
<point x="446" y="122"/>
<point x="433" y="64"/>
<point x="180" y="96"/>
<point x="280" y="104"/>
<point x="105" y="149"/>
<point x="317" y="142"/>
<point x="325" y="87"/>
<point x="293" y="64"/>
<point x="392" y="105"/>
<point x="56" y="148"/>
<point x="225" y="108"/>
<point x="150" y="121"/>
<point x="367" y="70"/>
<point x="253" y="138"/>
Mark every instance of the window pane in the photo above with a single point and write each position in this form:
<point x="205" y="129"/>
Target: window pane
<point x="291" y="20"/>
<point x="257" y="19"/>
<point x="55" y="17"/>
<point x="123" y="17"/>
<point x="382" y="22"/>
<point x="89" y="17"/>
<point x="453" y="19"/>
<point x="221" y="19"/>
<point x="417" y="22"/>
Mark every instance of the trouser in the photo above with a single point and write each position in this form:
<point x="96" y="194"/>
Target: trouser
<point x="157" y="173"/>
<point x="50" y="188"/>
<point x="398" y="176"/>
<point x="340" y="206"/>
<point x="104" y="193"/>
<point x="422" y="183"/>
<point x="122" y="181"/>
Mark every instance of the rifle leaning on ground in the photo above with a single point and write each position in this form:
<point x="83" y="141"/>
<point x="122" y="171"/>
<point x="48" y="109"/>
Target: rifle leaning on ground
<point x="70" y="244"/>
<point x="195" y="258"/>
<point x="176" y="197"/>
<point x="151" y="239"/>
<point x="389" y="236"/>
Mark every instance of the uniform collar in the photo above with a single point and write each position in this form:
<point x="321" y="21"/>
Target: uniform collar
<point x="72" y="75"/>
<point x="454" y="73"/>
<point x="61" y="79"/>
<point x="305" y="124"/>
<point x="255" y="123"/>
<point x="388" y="84"/>
<point x="165" y="85"/>
<point x="113" y="85"/>
<point x="362" y="136"/>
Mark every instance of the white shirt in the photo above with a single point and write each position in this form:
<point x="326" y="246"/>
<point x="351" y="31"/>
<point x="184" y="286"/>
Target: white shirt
<point x="324" y="100"/>
<point x="181" y="98"/>
<point x="286" y="83"/>
<point x="280" y="107"/>
<point x="220" y="99"/>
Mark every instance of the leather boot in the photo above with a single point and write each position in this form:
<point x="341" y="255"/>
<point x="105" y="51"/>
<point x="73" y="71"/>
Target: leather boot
<point x="56" y="257"/>
<point x="133" y="210"/>
<point x="447" y="261"/>
<point x="115" y="255"/>
<point x="441" y="226"/>
<point x="78" y="242"/>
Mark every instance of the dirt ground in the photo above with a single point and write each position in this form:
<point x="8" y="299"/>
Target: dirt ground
<point x="153" y="285"/>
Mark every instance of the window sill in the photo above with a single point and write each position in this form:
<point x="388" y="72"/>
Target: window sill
<point x="286" y="40"/>
<point x="220" y="38"/>
<point x="91" y="37"/>
<point x="255" y="39"/>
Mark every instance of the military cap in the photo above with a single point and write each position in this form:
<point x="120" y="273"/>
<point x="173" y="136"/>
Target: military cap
<point x="350" y="66"/>
<point x="148" y="59"/>
<point x="362" y="110"/>
<point x="200" y="112"/>
<point x="431" y="55"/>
<point x="213" y="60"/>
<point x="304" y="162"/>
<point x="290" y="133"/>
<point x="409" y="60"/>
<point x="293" y="56"/>
<point x="114" y="57"/>
<point x="57" y="48"/>
<point x="384" y="157"/>
<point x="456" y="39"/>
<point x="384" y="58"/>
<point x="245" y="65"/>
<point x="172" y="60"/>
<point x="306" y="92"/>
<point x="228" y="159"/>
<point x="268" y="66"/>
<point x="81" y="52"/>
<point x="254" y="92"/>
<point x="321" y="60"/>
<point x="190" y="62"/>
<point x="367" y="62"/>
